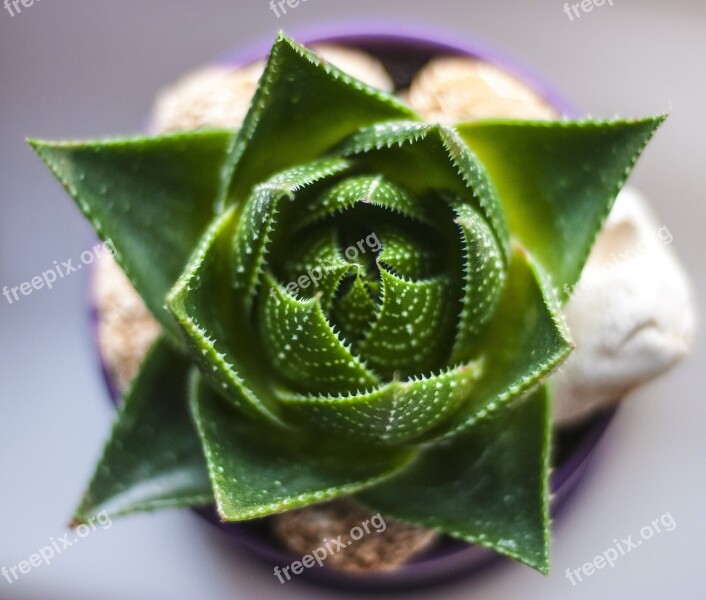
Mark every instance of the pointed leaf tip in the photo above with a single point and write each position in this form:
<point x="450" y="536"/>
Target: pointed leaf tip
<point x="557" y="180"/>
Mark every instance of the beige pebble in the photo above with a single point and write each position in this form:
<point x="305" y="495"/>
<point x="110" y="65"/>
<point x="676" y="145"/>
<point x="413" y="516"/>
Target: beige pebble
<point x="126" y="329"/>
<point x="389" y="544"/>
<point x="220" y="96"/>
<point x="452" y="89"/>
<point x="357" y="64"/>
<point x="209" y="97"/>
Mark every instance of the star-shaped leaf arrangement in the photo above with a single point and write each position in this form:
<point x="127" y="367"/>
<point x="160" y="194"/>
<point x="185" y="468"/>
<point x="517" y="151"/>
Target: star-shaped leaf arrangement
<point x="354" y="303"/>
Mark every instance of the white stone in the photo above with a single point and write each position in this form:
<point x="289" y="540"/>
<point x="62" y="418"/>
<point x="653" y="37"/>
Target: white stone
<point x="631" y="314"/>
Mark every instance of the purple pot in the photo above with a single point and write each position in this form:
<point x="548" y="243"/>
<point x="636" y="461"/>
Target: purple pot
<point x="404" y="51"/>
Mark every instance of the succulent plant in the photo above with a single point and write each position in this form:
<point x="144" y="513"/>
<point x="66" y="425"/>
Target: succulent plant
<point x="353" y="303"/>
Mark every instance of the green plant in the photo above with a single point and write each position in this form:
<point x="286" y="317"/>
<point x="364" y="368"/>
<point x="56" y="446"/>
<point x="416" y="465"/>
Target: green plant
<point x="412" y="375"/>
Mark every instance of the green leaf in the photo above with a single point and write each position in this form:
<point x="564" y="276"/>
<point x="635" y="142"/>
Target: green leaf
<point x="366" y="189"/>
<point x="523" y="343"/>
<point x="405" y="255"/>
<point x="557" y="181"/>
<point x="488" y="487"/>
<point x="153" y="458"/>
<point x="303" y="347"/>
<point x="152" y="197"/>
<point x="257" y="471"/>
<point x="258" y="217"/>
<point x="428" y="159"/>
<point x="296" y="115"/>
<point x="484" y="278"/>
<point x="399" y="412"/>
<point x="411" y="332"/>
<point x="211" y="317"/>
<point x="314" y="267"/>
<point x="353" y="312"/>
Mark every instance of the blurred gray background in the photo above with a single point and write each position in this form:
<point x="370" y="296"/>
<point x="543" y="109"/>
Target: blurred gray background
<point x="71" y="68"/>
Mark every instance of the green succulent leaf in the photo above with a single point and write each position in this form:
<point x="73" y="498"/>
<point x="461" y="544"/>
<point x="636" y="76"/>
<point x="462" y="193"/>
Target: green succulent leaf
<point x="210" y="316"/>
<point x="319" y="269"/>
<point x="355" y="311"/>
<point x="484" y="280"/>
<point x="304" y="348"/>
<point x="489" y="486"/>
<point x="153" y="458"/>
<point x="257" y="472"/>
<point x="428" y="158"/>
<point x="412" y="327"/>
<point x="557" y="181"/>
<point x="397" y="413"/>
<point x="405" y="256"/>
<point x="297" y="110"/>
<point x="258" y="217"/>
<point x="152" y="197"/>
<point x="368" y="189"/>
<point x="524" y="342"/>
